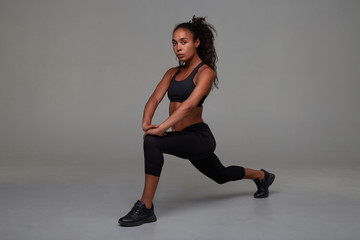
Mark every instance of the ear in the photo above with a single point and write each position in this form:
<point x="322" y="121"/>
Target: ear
<point x="197" y="42"/>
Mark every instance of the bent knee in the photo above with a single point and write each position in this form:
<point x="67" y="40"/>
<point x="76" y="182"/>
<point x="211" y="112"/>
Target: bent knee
<point x="220" y="178"/>
<point x="151" y="141"/>
<point x="220" y="181"/>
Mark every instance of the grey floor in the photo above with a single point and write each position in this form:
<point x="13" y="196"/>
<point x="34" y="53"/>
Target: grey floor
<point x="83" y="199"/>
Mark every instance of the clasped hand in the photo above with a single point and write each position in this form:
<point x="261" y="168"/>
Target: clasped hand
<point x="153" y="130"/>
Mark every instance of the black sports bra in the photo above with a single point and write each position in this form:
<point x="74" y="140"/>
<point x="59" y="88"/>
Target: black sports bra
<point x="179" y="91"/>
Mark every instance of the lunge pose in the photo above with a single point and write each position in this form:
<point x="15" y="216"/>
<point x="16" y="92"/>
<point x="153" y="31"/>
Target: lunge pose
<point x="187" y="86"/>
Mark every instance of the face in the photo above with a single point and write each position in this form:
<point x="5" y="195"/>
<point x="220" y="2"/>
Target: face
<point x="183" y="45"/>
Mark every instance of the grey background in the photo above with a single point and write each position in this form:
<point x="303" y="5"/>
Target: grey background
<point x="75" y="76"/>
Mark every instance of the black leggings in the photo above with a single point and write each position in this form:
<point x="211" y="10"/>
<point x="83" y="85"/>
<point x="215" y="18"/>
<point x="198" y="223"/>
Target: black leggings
<point x="196" y="143"/>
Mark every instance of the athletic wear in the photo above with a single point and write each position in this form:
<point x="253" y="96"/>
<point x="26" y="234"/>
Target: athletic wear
<point x="179" y="91"/>
<point x="195" y="143"/>
<point x="263" y="185"/>
<point x="138" y="215"/>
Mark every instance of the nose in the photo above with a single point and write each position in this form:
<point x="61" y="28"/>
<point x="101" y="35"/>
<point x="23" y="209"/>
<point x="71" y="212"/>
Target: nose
<point x="178" y="48"/>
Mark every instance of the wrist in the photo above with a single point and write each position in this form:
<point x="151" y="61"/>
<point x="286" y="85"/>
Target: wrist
<point x="145" y="127"/>
<point x="146" y="124"/>
<point x="163" y="128"/>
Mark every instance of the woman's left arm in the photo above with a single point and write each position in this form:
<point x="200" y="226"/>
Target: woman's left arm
<point x="204" y="83"/>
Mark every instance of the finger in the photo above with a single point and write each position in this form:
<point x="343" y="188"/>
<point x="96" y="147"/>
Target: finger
<point x="147" y="132"/>
<point x="149" y="127"/>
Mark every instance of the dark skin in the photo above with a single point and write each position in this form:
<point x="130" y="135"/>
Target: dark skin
<point x="186" y="113"/>
<point x="182" y="114"/>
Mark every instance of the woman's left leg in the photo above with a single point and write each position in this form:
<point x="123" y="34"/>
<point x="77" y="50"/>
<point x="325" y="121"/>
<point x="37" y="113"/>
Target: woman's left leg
<point x="213" y="168"/>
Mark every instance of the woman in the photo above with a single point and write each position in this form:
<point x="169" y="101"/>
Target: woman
<point x="187" y="86"/>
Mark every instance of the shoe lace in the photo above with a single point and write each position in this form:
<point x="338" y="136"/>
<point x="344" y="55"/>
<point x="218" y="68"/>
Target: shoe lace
<point x="135" y="210"/>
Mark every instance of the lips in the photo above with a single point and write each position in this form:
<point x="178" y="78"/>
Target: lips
<point x="180" y="55"/>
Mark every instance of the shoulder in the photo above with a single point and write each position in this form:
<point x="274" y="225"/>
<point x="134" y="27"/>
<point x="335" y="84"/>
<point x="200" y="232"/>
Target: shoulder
<point x="168" y="75"/>
<point x="206" y="71"/>
<point x="171" y="71"/>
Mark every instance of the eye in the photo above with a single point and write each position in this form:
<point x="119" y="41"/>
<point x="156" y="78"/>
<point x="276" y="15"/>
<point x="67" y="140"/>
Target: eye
<point x="184" y="42"/>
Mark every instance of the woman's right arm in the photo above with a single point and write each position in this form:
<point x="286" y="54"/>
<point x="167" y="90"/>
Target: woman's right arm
<point x="155" y="99"/>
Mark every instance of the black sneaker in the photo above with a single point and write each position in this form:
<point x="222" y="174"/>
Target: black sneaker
<point x="138" y="215"/>
<point x="263" y="185"/>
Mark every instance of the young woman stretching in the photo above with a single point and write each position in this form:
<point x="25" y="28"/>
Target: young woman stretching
<point x="191" y="138"/>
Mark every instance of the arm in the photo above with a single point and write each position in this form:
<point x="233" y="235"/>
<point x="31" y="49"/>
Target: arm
<point x="203" y="86"/>
<point x="155" y="99"/>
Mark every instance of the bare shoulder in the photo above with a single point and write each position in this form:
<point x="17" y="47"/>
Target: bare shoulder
<point x="171" y="71"/>
<point x="206" y="72"/>
<point x="168" y="75"/>
<point x="163" y="85"/>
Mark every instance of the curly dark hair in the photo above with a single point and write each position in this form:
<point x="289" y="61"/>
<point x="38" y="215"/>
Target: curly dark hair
<point x="206" y="50"/>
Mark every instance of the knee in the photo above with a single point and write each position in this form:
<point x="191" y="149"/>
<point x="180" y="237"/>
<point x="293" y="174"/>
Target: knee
<point x="220" y="181"/>
<point x="230" y="173"/>
<point x="150" y="141"/>
<point x="221" y="177"/>
<point x="218" y="178"/>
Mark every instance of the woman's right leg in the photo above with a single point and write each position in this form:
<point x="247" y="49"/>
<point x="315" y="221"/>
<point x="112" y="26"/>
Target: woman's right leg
<point x="183" y="144"/>
<point x="150" y="186"/>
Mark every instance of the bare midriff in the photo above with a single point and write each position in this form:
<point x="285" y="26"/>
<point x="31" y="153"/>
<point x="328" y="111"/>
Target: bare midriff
<point x="194" y="117"/>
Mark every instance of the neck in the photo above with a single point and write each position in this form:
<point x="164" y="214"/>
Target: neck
<point x="192" y="62"/>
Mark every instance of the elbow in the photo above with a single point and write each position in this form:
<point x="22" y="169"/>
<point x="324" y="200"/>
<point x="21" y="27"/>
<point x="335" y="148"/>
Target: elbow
<point x="153" y="100"/>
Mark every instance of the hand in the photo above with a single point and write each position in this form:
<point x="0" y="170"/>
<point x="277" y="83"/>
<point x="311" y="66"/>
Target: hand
<point x="148" y="126"/>
<point x="155" y="131"/>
